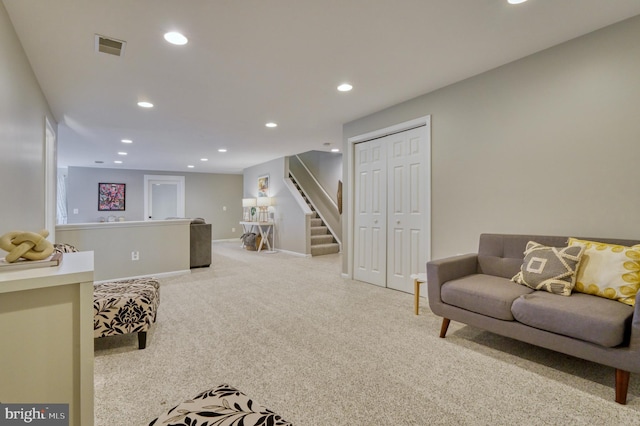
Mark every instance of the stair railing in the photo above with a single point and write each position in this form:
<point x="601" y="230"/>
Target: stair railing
<point x="325" y="207"/>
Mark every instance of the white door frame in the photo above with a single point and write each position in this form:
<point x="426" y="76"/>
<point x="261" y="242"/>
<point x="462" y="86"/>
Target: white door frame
<point x="50" y="179"/>
<point x="179" y="180"/>
<point x="407" y="125"/>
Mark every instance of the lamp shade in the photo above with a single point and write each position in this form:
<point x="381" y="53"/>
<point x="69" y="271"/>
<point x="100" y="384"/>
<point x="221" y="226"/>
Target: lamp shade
<point x="264" y="201"/>
<point x="248" y="202"/>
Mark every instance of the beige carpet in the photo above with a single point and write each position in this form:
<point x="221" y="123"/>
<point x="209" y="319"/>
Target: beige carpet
<point x="321" y="350"/>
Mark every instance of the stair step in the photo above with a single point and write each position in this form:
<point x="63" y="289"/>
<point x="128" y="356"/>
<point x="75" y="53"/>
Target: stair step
<point x="321" y="239"/>
<point x="316" y="222"/>
<point x="318" y="230"/>
<point x="323" y="249"/>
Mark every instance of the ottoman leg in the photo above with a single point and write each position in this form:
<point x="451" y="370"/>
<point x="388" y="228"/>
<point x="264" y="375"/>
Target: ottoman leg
<point x="142" y="339"/>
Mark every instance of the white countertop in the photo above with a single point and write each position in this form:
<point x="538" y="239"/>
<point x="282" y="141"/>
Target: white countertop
<point x="74" y="268"/>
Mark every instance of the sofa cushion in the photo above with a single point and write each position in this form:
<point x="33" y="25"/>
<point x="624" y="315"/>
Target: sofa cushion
<point x="549" y="268"/>
<point x="501" y="254"/>
<point x="609" y="270"/>
<point x="483" y="294"/>
<point x="581" y="316"/>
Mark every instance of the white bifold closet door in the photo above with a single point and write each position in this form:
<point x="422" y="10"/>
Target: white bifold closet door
<point x="390" y="199"/>
<point x="370" y="221"/>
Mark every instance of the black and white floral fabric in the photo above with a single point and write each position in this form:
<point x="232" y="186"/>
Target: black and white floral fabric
<point x="122" y="307"/>
<point x="64" y="248"/>
<point x="221" y="406"/>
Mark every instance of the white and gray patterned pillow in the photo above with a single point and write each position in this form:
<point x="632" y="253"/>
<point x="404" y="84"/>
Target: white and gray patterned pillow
<point x="549" y="268"/>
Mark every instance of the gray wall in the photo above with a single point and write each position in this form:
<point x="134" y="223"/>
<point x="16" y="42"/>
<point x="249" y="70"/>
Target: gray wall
<point x="543" y="145"/>
<point x="23" y="108"/>
<point x="288" y="216"/>
<point x="206" y="195"/>
<point x="326" y="167"/>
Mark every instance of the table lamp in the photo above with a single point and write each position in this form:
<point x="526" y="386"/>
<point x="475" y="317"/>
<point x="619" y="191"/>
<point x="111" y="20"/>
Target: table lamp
<point x="263" y="205"/>
<point x="247" y="204"/>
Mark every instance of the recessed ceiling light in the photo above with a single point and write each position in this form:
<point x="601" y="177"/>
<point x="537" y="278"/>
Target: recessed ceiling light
<point x="271" y="124"/>
<point x="126" y="141"/>
<point x="118" y="162"/>
<point x="122" y="153"/>
<point x="335" y="149"/>
<point x="345" y="87"/>
<point x="174" y="37"/>
<point x="222" y="150"/>
<point x="191" y="166"/>
<point x="204" y="159"/>
<point x="145" y="104"/>
<point x="516" y="1"/>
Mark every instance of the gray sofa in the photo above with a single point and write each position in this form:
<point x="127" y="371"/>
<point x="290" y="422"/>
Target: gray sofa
<point x="476" y="289"/>
<point x="199" y="244"/>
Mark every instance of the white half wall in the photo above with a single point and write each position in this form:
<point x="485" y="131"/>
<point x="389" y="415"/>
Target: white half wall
<point x="162" y="246"/>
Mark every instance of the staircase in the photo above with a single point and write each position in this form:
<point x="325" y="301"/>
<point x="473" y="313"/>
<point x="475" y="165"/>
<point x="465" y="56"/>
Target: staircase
<point x="322" y="241"/>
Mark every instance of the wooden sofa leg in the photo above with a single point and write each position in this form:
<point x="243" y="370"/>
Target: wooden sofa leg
<point x="445" y="327"/>
<point x="142" y="339"/>
<point x="622" y="385"/>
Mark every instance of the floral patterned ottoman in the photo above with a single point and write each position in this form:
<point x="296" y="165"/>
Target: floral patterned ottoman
<point x="220" y="406"/>
<point x="128" y="306"/>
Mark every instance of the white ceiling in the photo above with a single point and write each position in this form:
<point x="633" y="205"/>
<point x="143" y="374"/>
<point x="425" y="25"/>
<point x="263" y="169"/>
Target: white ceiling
<point x="253" y="61"/>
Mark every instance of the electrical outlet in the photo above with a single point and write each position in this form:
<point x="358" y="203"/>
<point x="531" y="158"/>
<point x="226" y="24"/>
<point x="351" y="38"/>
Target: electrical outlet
<point x="224" y="208"/>
<point x="233" y="229"/>
<point x="75" y="211"/>
<point x="135" y="255"/>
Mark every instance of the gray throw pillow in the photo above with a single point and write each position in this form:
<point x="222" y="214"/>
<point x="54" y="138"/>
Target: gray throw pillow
<point x="549" y="268"/>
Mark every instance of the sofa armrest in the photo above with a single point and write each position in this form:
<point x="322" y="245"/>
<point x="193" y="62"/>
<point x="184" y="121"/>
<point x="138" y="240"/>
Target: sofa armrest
<point x="634" y="340"/>
<point x="450" y="268"/>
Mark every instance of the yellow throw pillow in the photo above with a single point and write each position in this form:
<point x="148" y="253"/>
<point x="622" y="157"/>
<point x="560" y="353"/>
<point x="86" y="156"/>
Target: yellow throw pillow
<point x="608" y="270"/>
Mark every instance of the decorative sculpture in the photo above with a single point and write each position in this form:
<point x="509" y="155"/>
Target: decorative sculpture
<point x="29" y="245"/>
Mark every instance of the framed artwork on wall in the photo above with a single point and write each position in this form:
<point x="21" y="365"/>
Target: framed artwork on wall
<point x="263" y="186"/>
<point x="111" y="196"/>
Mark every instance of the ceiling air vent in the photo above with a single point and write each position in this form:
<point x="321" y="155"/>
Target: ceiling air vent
<point x="109" y="45"/>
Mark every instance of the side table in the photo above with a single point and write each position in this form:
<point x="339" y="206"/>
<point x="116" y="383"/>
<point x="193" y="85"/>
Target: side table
<point x="418" y="279"/>
<point x="264" y="228"/>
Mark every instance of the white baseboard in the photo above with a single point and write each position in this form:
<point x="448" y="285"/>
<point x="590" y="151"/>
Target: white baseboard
<point x="160" y="275"/>
<point x="294" y="253"/>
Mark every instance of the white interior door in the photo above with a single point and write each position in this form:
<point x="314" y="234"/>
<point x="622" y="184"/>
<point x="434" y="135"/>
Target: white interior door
<point x="370" y="258"/>
<point x="406" y="201"/>
<point x="163" y="197"/>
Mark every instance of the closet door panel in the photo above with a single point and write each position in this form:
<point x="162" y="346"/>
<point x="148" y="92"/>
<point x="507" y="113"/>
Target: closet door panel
<point x="406" y="206"/>
<point x="371" y="211"/>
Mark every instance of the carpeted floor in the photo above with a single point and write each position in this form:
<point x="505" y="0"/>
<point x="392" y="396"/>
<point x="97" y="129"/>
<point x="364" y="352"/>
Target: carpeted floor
<point x="322" y="350"/>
